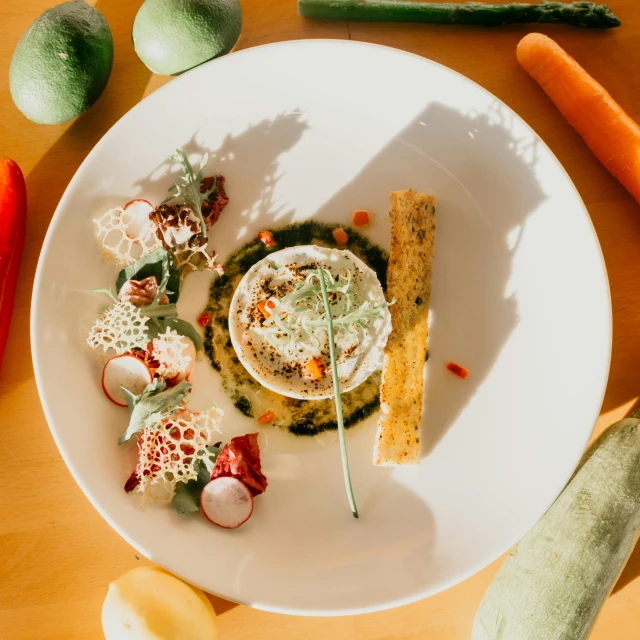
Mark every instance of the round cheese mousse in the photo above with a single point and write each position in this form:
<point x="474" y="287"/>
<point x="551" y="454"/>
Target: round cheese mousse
<point x="288" y="351"/>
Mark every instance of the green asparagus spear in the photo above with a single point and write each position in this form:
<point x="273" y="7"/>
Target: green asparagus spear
<point x="577" y="14"/>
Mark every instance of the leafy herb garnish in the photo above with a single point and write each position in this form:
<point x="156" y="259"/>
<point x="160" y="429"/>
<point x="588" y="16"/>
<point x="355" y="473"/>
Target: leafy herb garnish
<point x="336" y="389"/>
<point x="155" y="399"/>
<point x="159" y="264"/>
<point x="188" y="186"/>
<point x="161" y="316"/>
<point x="186" y="498"/>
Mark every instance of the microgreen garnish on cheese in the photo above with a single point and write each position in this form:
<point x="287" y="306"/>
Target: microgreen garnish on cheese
<point x="300" y="319"/>
<point x="188" y="186"/>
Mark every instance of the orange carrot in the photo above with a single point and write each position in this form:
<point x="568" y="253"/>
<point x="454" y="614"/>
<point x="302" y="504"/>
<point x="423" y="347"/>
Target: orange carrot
<point x="361" y="218"/>
<point x="264" y="306"/>
<point x="607" y="130"/>
<point x="315" y="369"/>
<point x="340" y="236"/>
<point x="266" y="418"/>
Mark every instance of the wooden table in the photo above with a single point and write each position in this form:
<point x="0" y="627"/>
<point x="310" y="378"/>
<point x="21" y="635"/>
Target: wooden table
<point x="57" y="555"/>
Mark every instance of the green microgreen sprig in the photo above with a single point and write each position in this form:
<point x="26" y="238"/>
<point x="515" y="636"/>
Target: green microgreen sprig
<point x="336" y="391"/>
<point x="300" y="317"/>
<point x="188" y="186"/>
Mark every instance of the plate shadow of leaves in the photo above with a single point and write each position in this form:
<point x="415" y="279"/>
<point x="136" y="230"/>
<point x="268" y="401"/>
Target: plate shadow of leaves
<point x="473" y="324"/>
<point x="249" y="162"/>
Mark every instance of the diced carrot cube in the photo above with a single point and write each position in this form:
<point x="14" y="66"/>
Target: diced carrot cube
<point x="266" y="418"/>
<point x="361" y="218"/>
<point x="264" y="306"/>
<point x="340" y="236"/>
<point x="266" y="237"/>
<point x="457" y="370"/>
<point x="315" y="369"/>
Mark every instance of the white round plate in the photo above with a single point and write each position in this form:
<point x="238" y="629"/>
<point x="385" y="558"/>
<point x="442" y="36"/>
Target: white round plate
<point x="520" y="297"/>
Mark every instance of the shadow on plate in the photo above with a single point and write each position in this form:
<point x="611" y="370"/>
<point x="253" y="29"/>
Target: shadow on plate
<point x="250" y="162"/>
<point x="472" y="326"/>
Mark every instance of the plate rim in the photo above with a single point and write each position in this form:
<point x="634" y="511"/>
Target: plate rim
<point x="40" y="383"/>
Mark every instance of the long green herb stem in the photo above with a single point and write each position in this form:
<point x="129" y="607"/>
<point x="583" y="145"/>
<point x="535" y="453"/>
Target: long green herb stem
<point x="336" y="390"/>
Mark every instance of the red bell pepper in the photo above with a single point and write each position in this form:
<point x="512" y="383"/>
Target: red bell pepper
<point x="13" y="225"/>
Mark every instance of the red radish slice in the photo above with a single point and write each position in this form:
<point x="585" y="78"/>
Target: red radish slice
<point x="136" y="217"/>
<point x="127" y="371"/>
<point x="226" y="502"/>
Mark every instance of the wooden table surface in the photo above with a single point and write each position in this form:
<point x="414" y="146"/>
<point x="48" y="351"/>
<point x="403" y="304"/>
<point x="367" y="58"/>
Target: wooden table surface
<point x="57" y="555"/>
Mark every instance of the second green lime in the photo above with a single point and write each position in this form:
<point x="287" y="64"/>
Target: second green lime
<point x="172" y="36"/>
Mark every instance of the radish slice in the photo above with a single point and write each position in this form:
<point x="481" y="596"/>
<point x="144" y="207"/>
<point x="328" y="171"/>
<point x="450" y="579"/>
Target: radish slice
<point x="127" y="371"/>
<point x="136" y="217"/>
<point x="226" y="502"/>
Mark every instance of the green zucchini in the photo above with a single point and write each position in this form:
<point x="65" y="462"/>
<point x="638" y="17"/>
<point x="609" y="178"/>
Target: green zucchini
<point x="555" y="581"/>
<point x="577" y="14"/>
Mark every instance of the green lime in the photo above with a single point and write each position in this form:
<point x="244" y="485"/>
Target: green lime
<point x="62" y="63"/>
<point x="171" y="36"/>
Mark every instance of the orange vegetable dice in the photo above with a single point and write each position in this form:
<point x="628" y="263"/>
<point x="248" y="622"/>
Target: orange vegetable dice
<point x="457" y="370"/>
<point x="266" y="237"/>
<point x="264" y="306"/>
<point x="266" y="418"/>
<point x="340" y="236"/>
<point x="361" y="218"/>
<point x="315" y="369"/>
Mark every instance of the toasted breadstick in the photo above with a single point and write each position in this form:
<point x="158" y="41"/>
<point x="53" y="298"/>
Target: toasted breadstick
<point x="409" y="275"/>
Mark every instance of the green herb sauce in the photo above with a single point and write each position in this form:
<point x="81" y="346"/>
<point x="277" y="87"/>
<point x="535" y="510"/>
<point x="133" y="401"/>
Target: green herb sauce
<point x="300" y="417"/>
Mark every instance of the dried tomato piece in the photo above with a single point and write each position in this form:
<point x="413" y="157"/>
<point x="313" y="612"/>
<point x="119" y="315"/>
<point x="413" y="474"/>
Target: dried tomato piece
<point x="176" y="223"/>
<point x="132" y="482"/>
<point x="241" y="459"/>
<point x="204" y="319"/>
<point x="457" y="370"/>
<point x="216" y="201"/>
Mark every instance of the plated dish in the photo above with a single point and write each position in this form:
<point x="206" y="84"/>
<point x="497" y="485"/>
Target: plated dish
<point x="488" y="469"/>
<point x="307" y="322"/>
